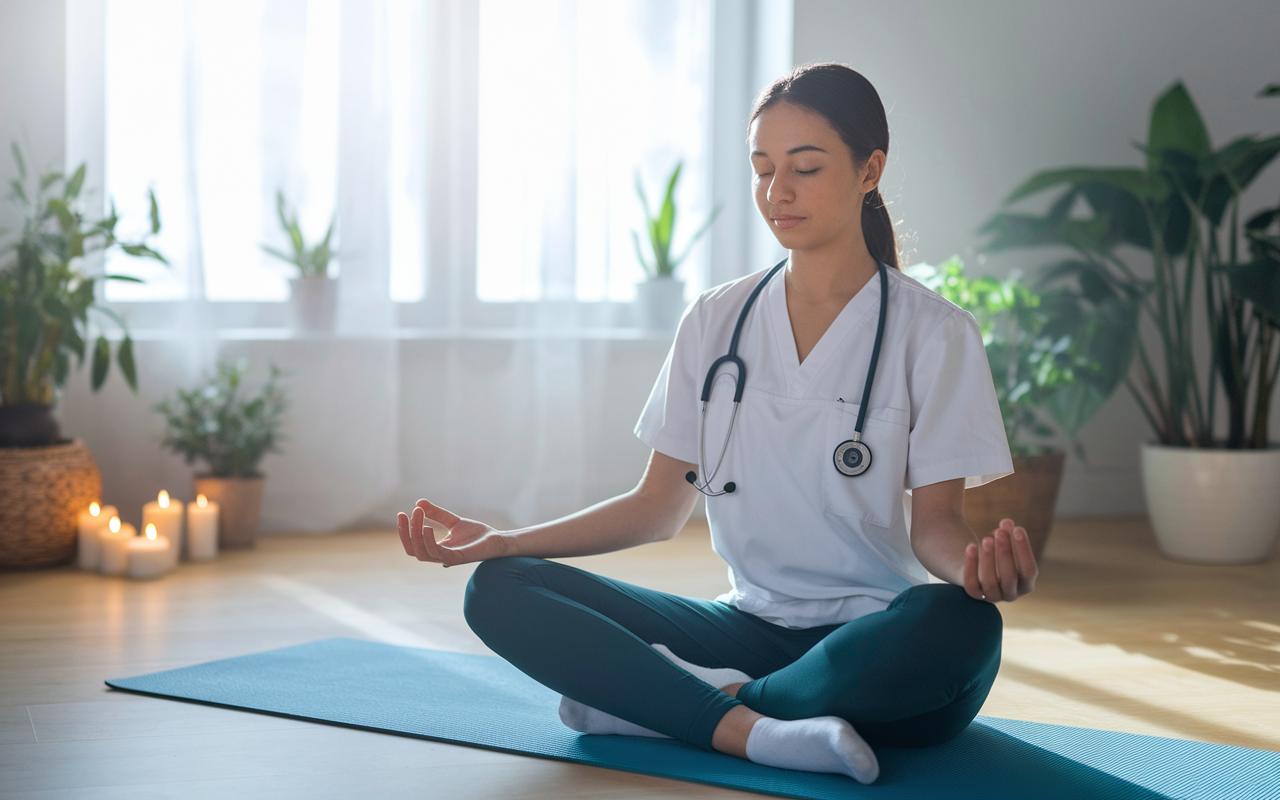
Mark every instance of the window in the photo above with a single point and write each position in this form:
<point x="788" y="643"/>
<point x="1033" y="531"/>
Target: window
<point x="217" y="105"/>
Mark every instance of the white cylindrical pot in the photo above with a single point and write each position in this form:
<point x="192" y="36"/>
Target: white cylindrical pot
<point x="1213" y="506"/>
<point x="661" y="302"/>
<point x="314" y="302"/>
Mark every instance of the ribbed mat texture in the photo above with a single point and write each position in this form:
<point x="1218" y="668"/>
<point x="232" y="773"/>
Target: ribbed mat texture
<point x="485" y="702"/>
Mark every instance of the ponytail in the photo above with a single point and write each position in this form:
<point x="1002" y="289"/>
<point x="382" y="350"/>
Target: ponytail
<point x="852" y="106"/>
<point x="877" y="229"/>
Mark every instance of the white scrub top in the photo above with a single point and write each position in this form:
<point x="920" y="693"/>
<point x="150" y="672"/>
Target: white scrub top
<point x="806" y="545"/>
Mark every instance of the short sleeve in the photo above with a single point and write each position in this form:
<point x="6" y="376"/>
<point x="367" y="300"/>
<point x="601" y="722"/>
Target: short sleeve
<point x="956" y="427"/>
<point x="669" y="422"/>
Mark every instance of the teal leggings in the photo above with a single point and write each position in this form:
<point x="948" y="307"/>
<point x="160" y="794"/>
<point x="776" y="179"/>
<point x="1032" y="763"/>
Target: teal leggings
<point x="913" y="675"/>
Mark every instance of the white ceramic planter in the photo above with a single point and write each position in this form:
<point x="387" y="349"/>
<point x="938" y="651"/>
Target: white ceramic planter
<point x="661" y="302"/>
<point x="1213" y="506"/>
<point x="313" y="302"/>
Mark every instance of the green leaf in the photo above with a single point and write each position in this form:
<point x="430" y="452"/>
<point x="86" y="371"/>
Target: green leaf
<point x="19" y="193"/>
<point x="17" y="159"/>
<point x="49" y="178"/>
<point x="62" y="211"/>
<point x="155" y="211"/>
<point x="1134" y="181"/>
<point x="101" y="361"/>
<point x="1176" y="124"/>
<point x="1270" y="90"/>
<point x="127" y="367"/>
<point x="142" y="251"/>
<point x="280" y="254"/>
<point x="1259" y="282"/>
<point x="129" y="278"/>
<point x="73" y="186"/>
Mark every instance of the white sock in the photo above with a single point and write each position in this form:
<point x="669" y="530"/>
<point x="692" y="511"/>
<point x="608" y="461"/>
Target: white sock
<point x="585" y="719"/>
<point x="817" y="744"/>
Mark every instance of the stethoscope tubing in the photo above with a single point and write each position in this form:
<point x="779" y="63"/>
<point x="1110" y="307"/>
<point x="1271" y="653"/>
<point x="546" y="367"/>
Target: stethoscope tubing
<point x="740" y="381"/>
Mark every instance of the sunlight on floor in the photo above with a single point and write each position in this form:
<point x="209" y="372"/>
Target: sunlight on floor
<point x="1054" y="677"/>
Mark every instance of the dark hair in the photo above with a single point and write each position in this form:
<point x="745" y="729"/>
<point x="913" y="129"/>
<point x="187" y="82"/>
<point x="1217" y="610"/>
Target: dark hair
<point x="852" y="106"/>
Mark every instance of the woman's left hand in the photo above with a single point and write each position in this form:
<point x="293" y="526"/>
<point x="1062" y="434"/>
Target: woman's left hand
<point x="1002" y="567"/>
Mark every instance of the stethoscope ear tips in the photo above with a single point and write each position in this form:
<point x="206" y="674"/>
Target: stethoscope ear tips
<point x="691" y="477"/>
<point x="729" y="487"/>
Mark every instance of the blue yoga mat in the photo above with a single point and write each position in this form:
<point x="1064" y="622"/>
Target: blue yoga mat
<point x="485" y="702"/>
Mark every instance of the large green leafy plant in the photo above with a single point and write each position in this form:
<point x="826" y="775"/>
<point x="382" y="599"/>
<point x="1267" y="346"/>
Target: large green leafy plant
<point x="1151" y="244"/>
<point x="1034" y="366"/>
<point x="659" y="229"/>
<point x="223" y="426"/>
<point x="46" y="296"/>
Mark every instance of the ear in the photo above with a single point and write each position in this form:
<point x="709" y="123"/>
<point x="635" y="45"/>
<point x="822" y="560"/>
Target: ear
<point x="872" y="171"/>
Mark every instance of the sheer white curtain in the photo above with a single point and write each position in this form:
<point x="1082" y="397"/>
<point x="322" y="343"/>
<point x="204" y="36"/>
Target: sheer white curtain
<point x="481" y="160"/>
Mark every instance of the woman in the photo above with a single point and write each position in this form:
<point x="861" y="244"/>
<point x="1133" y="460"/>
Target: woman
<point x="832" y="638"/>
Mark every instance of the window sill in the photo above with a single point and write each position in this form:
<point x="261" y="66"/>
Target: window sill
<point x="393" y="334"/>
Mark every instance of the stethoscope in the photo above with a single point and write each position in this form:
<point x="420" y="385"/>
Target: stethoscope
<point x="851" y="457"/>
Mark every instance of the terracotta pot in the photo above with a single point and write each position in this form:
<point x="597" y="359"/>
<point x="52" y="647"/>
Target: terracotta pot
<point x="239" y="507"/>
<point x="1027" y="497"/>
<point x="42" y="492"/>
<point x="1213" y="506"/>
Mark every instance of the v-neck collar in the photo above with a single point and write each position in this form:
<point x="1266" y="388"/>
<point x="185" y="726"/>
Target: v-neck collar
<point x="799" y="376"/>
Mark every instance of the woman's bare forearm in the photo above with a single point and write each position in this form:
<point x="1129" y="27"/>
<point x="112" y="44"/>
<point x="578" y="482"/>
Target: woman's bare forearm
<point x="940" y="547"/>
<point x="655" y="510"/>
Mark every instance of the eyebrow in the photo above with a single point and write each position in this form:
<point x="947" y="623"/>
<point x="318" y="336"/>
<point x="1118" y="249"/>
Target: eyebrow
<point x="792" y="151"/>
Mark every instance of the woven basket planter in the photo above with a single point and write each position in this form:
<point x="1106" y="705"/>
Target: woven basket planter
<point x="42" y="492"/>
<point x="1027" y="497"/>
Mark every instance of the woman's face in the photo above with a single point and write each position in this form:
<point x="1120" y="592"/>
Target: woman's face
<point x="806" y="185"/>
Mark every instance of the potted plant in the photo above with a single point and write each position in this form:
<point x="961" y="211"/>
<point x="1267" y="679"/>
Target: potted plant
<point x="1155" y="247"/>
<point x="45" y="300"/>
<point x="231" y="432"/>
<point x="313" y="295"/>
<point x="661" y="295"/>
<point x="1035" y="367"/>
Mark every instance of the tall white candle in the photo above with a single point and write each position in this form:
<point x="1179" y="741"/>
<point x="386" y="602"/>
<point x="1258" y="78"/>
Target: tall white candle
<point x="202" y="529"/>
<point x="166" y="515"/>
<point x="90" y="526"/>
<point x="149" y="555"/>
<point x="115" y="547"/>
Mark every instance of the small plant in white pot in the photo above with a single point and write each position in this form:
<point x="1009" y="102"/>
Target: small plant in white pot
<point x="1212" y="474"/>
<point x="313" y="294"/>
<point x="230" y="431"/>
<point x="661" y="296"/>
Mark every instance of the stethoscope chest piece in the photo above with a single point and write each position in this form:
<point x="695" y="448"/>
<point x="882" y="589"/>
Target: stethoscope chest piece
<point x="852" y="458"/>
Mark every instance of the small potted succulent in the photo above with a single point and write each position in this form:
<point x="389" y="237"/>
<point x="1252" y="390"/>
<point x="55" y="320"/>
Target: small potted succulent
<point x="313" y="294"/>
<point x="1039" y="375"/>
<point x="230" y="431"/>
<point x="46" y="296"/>
<point x="661" y="296"/>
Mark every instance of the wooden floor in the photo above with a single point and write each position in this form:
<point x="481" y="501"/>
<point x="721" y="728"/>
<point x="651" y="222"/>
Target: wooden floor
<point x="1114" y="637"/>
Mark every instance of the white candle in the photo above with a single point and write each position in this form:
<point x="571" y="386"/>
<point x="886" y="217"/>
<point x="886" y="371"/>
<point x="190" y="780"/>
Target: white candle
<point x="166" y="515"/>
<point x="149" y="555"/>
<point x="114" y="544"/>
<point x="90" y="526"/>
<point x="202" y="529"/>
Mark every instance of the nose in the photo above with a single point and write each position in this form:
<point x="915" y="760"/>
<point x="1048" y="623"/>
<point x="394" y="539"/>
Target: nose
<point x="779" y="189"/>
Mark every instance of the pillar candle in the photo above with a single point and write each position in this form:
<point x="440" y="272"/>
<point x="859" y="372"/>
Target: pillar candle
<point x="114" y="544"/>
<point x="149" y="555"/>
<point x="202" y="529"/>
<point x="166" y="515"/>
<point x="90" y="527"/>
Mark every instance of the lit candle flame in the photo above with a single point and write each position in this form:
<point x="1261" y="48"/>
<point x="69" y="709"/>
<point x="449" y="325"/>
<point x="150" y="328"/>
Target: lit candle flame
<point x="114" y="524"/>
<point x="202" y="501"/>
<point x="94" y="509"/>
<point x="164" y="499"/>
<point x="151" y="531"/>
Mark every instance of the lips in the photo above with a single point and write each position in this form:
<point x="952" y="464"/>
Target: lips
<point x="785" y="221"/>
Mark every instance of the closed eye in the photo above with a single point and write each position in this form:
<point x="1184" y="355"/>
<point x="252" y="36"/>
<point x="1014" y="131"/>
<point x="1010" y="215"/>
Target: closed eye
<point x="807" y="171"/>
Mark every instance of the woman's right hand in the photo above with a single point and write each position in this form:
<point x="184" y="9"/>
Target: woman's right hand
<point x="467" y="540"/>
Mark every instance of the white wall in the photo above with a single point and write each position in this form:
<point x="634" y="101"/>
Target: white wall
<point x="32" y="91"/>
<point x="983" y="94"/>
